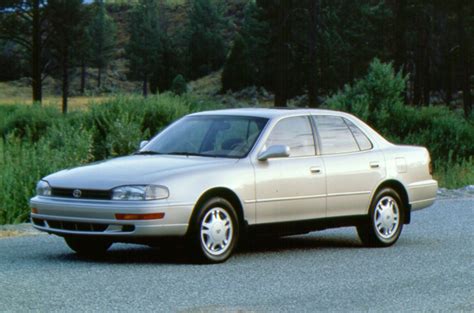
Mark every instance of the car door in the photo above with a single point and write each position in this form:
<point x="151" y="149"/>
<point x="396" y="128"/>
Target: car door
<point x="291" y="188"/>
<point x="353" y="167"/>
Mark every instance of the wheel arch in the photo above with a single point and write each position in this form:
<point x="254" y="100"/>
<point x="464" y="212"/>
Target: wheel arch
<point x="401" y="191"/>
<point x="225" y="193"/>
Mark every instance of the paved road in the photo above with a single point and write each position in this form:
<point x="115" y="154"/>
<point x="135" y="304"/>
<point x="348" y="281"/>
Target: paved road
<point x="431" y="268"/>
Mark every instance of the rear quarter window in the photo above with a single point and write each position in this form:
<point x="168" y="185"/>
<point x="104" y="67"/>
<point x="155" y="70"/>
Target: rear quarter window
<point x="362" y="140"/>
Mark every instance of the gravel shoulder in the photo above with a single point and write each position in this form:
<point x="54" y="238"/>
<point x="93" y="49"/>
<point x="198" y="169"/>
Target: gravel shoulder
<point x="24" y="229"/>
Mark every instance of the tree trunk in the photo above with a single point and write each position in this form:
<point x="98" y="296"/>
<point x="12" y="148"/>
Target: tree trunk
<point x="420" y="64"/>
<point x="99" y="77"/>
<point x="145" y="86"/>
<point x="280" y="99"/>
<point x="282" y="58"/>
<point x="314" y="9"/>
<point x="400" y="28"/>
<point x="426" y="80"/>
<point x="83" y="76"/>
<point x="449" y="81"/>
<point x="400" y="43"/>
<point x="65" y="83"/>
<point x="36" y="80"/>
<point x="464" y="46"/>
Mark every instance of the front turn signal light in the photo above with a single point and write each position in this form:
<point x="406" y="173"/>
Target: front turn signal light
<point x="150" y="216"/>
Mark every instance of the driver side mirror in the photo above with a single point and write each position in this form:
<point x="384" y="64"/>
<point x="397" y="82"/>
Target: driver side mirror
<point x="143" y="144"/>
<point x="276" y="151"/>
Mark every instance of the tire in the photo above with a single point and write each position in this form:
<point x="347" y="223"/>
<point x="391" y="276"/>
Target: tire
<point x="88" y="246"/>
<point x="214" y="233"/>
<point x="384" y="223"/>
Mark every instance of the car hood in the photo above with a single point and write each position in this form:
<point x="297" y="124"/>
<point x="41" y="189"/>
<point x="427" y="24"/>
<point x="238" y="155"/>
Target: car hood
<point x="130" y="170"/>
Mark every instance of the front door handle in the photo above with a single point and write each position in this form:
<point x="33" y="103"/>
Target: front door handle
<point x="374" y="164"/>
<point x="315" y="169"/>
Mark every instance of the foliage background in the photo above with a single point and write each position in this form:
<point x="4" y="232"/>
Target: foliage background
<point x="38" y="141"/>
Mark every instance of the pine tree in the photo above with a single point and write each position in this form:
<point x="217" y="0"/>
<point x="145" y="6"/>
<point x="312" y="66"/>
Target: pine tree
<point x="24" y="22"/>
<point x="237" y="72"/>
<point x="145" y="47"/>
<point x="84" y="50"/>
<point x="249" y="63"/>
<point x="206" y="46"/>
<point x="284" y="70"/>
<point x="167" y="64"/>
<point x="65" y="19"/>
<point x="102" y="31"/>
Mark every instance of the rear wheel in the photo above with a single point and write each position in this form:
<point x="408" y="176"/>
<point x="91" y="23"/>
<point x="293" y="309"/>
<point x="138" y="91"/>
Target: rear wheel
<point x="88" y="246"/>
<point x="385" y="221"/>
<point x="215" y="231"/>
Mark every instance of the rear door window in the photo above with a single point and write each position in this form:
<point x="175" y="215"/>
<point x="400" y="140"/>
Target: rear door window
<point x="334" y="135"/>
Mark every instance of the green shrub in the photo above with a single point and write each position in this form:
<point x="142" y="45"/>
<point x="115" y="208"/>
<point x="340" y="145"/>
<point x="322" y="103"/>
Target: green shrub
<point x="119" y="124"/>
<point x="179" y="86"/>
<point x="447" y="135"/>
<point x="30" y="122"/>
<point x="374" y="96"/>
<point x="442" y="131"/>
<point x="452" y="174"/>
<point x="23" y="163"/>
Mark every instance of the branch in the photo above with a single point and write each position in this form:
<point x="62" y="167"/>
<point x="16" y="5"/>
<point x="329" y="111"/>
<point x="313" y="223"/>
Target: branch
<point x="21" y="41"/>
<point x="43" y="77"/>
<point x="24" y="16"/>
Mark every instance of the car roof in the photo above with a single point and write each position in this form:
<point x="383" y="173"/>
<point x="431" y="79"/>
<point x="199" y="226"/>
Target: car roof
<point x="268" y="112"/>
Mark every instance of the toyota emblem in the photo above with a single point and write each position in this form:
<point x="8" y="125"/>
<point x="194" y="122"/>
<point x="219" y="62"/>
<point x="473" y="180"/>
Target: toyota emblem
<point x="77" y="193"/>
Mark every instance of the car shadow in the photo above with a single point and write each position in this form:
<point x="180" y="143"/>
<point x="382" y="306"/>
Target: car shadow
<point x="294" y="243"/>
<point x="139" y="254"/>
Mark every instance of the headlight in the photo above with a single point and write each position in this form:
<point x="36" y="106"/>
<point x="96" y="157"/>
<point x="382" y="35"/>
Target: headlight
<point x="150" y="192"/>
<point x="43" y="188"/>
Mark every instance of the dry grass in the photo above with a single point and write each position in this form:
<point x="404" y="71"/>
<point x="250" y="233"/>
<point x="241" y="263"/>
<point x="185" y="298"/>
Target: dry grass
<point x="10" y="95"/>
<point x="10" y="233"/>
<point x="208" y="85"/>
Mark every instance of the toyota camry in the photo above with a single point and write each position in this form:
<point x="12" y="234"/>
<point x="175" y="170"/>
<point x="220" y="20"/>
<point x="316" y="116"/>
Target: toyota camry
<point x="211" y="178"/>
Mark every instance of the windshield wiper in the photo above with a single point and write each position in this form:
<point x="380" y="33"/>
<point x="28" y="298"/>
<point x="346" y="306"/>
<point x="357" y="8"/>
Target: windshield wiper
<point x="147" y="152"/>
<point x="188" y="154"/>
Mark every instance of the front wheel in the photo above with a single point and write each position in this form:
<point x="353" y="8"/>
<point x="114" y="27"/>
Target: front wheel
<point x="88" y="246"/>
<point x="385" y="221"/>
<point x="215" y="231"/>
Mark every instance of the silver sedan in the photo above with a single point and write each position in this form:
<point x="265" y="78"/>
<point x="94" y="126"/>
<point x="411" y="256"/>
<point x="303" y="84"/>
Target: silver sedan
<point x="212" y="177"/>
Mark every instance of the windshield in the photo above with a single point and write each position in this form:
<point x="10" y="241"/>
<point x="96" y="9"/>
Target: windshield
<point x="208" y="135"/>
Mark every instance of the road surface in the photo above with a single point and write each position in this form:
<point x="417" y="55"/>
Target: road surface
<point x="431" y="268"/>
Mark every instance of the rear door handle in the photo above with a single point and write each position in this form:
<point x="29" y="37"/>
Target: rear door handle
<point x="374" y="164"/>
<point x="315" y="169"/>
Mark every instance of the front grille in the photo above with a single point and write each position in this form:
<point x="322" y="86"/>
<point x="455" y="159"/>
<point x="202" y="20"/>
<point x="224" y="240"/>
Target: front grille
<point x="84" y="193"/>
<point x="76" y="226"/>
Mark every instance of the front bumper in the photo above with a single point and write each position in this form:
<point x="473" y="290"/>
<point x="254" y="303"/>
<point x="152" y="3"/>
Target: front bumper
<point x="63" y="216"/>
